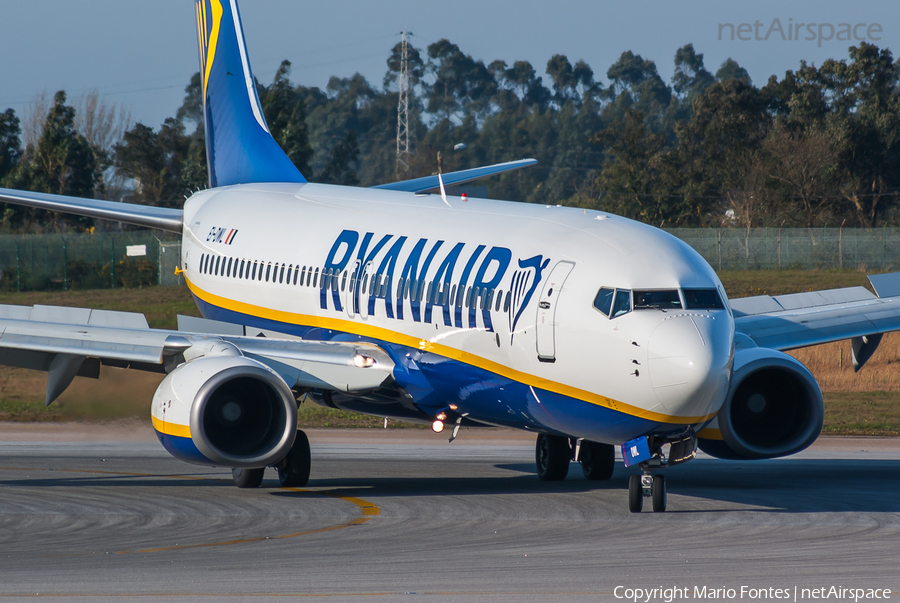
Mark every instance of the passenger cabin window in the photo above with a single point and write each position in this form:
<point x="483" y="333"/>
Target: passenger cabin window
<point x="657" y="300"/>
<point x="703" y="299"/>
<point x="604" y="299"/>
<point x="622" y="303"/>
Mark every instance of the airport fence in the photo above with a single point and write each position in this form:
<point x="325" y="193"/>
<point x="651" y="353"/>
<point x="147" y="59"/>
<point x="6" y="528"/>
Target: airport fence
<point x="138" y="259"/>
<point x="64" y="262"/>
<point x="795" y="248"/>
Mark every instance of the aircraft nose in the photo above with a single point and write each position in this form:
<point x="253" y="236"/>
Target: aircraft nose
<point x="689" y="358"/>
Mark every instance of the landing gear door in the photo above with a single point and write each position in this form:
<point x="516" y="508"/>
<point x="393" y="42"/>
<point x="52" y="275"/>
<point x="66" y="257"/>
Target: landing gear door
<point x="546" y="311"/>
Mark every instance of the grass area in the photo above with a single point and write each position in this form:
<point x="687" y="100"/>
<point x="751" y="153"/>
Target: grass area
<point x="745" y="283"/>
<point x="159" y="304"/>
<point x="867" y="402"/>
<point x="862" y="413"/>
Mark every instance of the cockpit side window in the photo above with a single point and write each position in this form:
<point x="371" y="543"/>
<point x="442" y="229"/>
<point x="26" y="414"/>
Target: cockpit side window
<point x="657" y="300"/>
<point x="604" y="299"/>
<point x="622" y="303"/>
<point x="703" y="299"/>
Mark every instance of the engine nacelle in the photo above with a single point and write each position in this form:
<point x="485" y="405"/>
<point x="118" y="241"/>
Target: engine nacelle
<point x="774" y="408"/>
<point x="225" y="410"/>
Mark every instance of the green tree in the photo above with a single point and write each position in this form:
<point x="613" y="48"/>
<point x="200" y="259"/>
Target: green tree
<point x="461" y="84"/>
<point x="162" y="164"/>
<point x="285" y="113"/>
<point x="730" y="70"/>
<point x="10" y="142"/>
<point x="340" y="169"/>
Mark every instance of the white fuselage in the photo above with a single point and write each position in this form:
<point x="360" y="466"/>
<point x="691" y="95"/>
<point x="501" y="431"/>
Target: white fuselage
<point x="542" y="268"/>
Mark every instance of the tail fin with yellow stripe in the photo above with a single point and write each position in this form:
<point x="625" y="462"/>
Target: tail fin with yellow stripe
<point x="239" y="147"/>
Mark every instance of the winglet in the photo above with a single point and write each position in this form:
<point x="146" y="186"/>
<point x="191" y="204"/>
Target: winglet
<point x="239" y="147"/>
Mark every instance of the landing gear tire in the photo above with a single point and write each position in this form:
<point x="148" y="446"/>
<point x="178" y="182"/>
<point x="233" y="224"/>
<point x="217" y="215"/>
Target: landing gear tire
<point x="552" y="455"/>
<point x="247" y="478"/>
<point x="635" y="494"/>
<point x="293" y="470"/>
<point x="658" y="493"/>
<point x="597" y="460"/>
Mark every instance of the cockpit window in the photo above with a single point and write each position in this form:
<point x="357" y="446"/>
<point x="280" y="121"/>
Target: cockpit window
<point x="657" y="300"/>
<point x="622" y="303"/>
<point x="703" y="299"/>
<point x="604" y="299"/>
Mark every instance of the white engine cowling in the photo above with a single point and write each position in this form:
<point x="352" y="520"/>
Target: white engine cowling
<point x="774" y="408"/>
<point x="225" y="410"/>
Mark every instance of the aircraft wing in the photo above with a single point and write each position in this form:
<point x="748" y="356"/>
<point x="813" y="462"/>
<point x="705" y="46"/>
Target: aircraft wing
<point x="428" y="183"/>
<point x="787" y="322"/>
<point x="70" y="342"/>
<point x="163" y="218"/>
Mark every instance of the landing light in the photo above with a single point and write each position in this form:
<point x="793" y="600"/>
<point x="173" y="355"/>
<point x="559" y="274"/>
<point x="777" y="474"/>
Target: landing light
<point x="360" y="361"/>
<point x="437" y="426"/>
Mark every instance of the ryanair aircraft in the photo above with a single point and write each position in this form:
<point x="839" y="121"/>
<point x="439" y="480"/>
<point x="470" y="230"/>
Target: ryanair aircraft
<point x="586" y="328"/>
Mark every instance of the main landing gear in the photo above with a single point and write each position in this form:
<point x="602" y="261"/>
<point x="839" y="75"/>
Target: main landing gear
<point x="552" y="455"/>
<point x="293" y="469"/>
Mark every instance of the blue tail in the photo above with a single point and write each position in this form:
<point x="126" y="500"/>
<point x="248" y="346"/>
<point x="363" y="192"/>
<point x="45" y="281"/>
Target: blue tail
<point x="239" y="148"/>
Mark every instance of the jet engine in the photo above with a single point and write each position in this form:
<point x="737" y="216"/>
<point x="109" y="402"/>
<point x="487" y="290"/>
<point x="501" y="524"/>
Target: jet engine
<point x="773" y="408"/>
<point x="225" y="410"/>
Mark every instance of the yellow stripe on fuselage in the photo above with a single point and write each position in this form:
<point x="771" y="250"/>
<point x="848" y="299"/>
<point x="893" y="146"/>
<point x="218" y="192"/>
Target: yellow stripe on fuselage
<point x="367" y="330"/>
<point x="172" y="429"/>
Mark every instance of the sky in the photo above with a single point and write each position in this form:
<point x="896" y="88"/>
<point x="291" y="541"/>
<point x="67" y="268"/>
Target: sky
<point x="142" y="54"/>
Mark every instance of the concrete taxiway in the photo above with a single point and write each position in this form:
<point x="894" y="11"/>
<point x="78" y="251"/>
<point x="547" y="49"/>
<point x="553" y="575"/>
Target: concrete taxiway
<point x="105" y="512"/>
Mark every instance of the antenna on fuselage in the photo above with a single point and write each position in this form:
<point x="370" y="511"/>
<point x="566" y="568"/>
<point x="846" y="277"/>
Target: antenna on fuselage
<point x="441" y="181"/>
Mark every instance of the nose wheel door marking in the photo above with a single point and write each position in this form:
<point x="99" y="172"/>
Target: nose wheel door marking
<point x="546" y="311"/>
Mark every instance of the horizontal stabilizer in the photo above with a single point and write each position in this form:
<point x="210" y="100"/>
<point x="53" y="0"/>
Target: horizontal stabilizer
<point x="163" y="218"/>
<point x="427" y="183"/>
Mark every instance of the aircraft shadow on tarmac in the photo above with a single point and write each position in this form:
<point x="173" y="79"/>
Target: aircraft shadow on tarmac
<point x="775" y="486"/>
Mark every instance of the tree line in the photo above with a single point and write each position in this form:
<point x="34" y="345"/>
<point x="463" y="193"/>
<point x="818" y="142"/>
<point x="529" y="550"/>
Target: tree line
<point x="819" y="146"/>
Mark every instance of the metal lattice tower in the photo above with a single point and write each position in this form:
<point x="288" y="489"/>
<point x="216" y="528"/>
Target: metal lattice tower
<point x="403" y="152"/>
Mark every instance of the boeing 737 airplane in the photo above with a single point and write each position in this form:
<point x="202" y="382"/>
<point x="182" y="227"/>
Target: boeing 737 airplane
<point x="586" y="328"/>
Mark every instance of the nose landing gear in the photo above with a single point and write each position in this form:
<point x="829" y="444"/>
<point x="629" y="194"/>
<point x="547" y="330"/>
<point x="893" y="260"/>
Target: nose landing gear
<point x="647" y="485"/>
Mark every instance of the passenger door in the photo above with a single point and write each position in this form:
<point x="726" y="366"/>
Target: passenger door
<point x="546" y="311"/>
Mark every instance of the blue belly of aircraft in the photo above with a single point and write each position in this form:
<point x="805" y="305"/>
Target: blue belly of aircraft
<point x="434" y="382"/>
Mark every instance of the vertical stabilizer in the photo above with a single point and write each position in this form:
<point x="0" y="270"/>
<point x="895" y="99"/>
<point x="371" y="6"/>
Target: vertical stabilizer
<point x="239" y="148"/>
